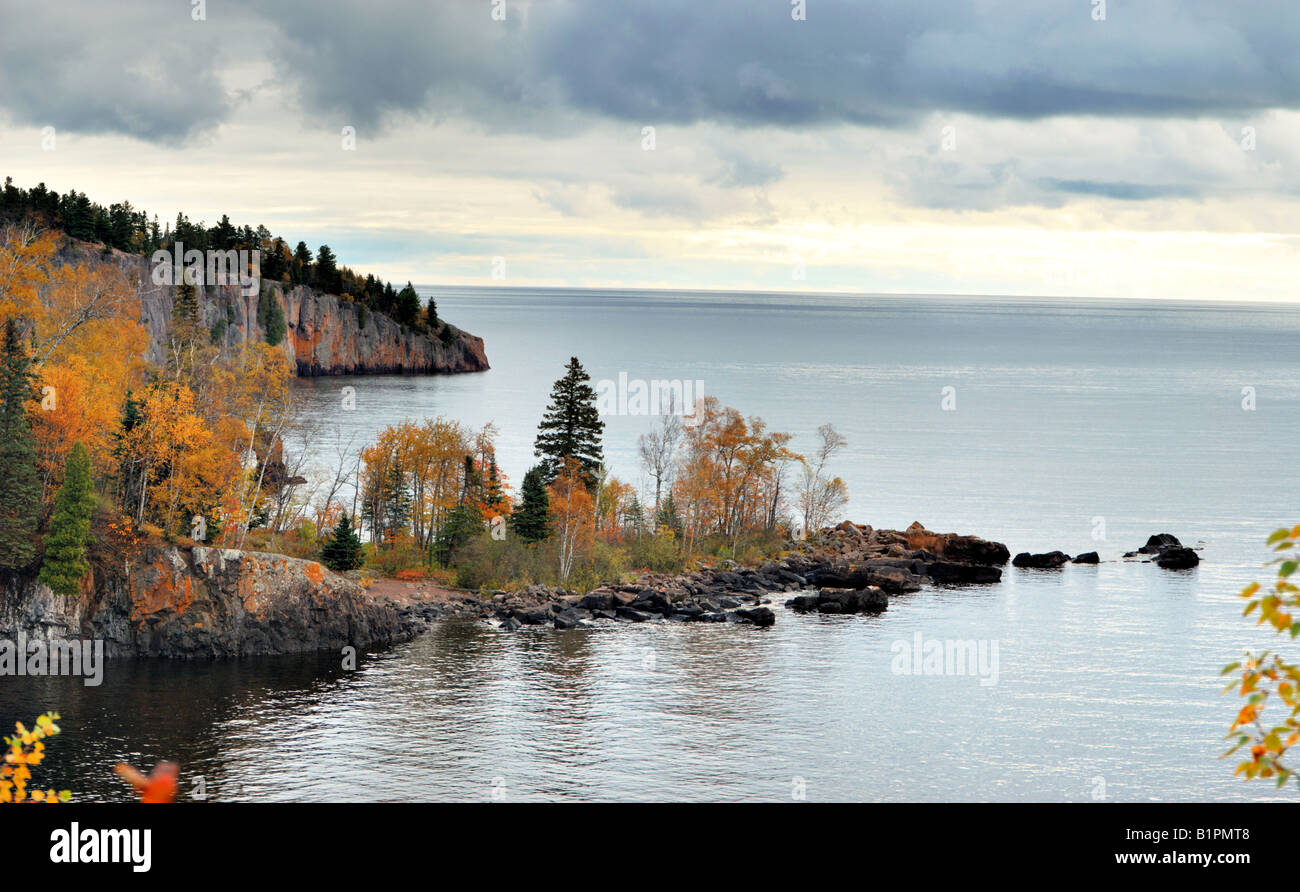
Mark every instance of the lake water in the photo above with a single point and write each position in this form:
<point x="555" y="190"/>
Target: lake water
<point x="1078" y="426"/>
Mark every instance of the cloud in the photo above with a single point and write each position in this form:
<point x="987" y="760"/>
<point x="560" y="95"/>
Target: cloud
<point x="551" y="65"/>
<point x="115" y="68"/>
<point x="1122" y="191"/>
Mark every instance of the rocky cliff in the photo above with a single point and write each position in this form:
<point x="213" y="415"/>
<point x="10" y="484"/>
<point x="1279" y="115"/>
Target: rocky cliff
<point x="197" y="603"/>
<point x="327" y="335"/>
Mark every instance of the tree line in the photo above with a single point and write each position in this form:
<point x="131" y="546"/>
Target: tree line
<point x="125" y="228"/>
<point x="431" y="493"/>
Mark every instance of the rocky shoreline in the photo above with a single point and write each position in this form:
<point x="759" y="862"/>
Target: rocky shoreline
<point x="848" y="569"/>
<point x="203" y="603"/>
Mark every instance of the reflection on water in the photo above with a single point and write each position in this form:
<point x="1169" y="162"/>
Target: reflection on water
<point x="1105" y="672"/>
<point x="1123" y="411"/>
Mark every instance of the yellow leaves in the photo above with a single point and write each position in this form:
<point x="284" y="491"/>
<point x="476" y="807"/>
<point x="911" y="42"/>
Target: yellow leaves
<point x="1265" y="674"/>
<point x="25" y="255"/>
<point x="1245" y="717"/>
<point x="26" y="748"/>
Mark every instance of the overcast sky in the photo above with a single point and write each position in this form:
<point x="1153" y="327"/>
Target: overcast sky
<point x="1026" y="148"/>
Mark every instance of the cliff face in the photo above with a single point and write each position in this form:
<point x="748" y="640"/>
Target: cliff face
<point x="199" y="603"/>
<point x="325" y="333"/>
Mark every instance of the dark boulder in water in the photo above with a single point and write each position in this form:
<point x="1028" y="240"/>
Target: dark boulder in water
<point x="1088" y="557"/>
<point x="1048" y="561"/>
<point x="1177" y="558"/>
<point x="953" y="573"/>
<point x="1159" y="543"/>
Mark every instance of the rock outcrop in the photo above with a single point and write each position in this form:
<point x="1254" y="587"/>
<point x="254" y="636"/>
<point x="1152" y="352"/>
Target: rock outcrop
<point x="326" y="334"/>
<point x="198" y="603"/>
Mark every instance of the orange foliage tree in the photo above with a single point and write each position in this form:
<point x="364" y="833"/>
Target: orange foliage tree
<point x="573" y="515"/>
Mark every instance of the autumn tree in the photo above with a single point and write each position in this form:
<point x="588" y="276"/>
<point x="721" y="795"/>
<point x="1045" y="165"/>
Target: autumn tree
<point x="20" y="488"/>
<point x="572" y="515"/>
<point x="26" y="250"/>
<point x="64" y="564"/>
<point x="729" y="476"/>
<point x="571" y="427"/>
<point x="90" y="348"/>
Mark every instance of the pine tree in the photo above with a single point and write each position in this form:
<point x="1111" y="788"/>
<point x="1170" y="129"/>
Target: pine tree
<point x="343" y="550"/>
<point x="20" y="485"/>
<point x="571" y="425"/>
<point x="462" y="524"/>
<point x="65" y="564"/>
<point x="634" y="517"/>
<point x="531" y="519"/>
<point x="431" y="315"/>
<point x="326" y="276"/>
<point x="270" y="314"/>
<point x="493" y="494"/>
<point x="408" y="305"/>
<point x="396" y="499"/>
<point x="667" y="518"/>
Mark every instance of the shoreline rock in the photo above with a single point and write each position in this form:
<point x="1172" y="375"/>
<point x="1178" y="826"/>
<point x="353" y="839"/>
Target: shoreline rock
<point x="206" y="603"/>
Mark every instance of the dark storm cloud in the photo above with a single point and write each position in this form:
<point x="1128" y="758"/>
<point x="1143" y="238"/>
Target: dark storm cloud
<point x="740" y="62"/>
<point x="102" y="68"/>
<point x="748" y="63"/>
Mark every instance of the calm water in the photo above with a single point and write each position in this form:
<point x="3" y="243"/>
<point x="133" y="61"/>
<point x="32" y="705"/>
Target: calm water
<point x="1077" y="427"/>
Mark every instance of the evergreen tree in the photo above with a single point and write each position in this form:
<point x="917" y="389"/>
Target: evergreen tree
<point x="571" y="425"/>
<point x="65" y="564"/>
<point x="462" y="524"/>
<point x="396" y="498"/>
<point x="493" y="494"/>
<point x="185" y="308"/>
<point x="408" y="305"/>
<point x="20" y="485"/>
<point x="431" y="315"/>
<point x="634" y="517"/>
<point x="327" y="272"/>
<point x="667" y="518"/>
<point x="473" y="482"/>
<point x="343" y="550"/>
<point x="300" y="270"/>
<point x="270" y="314"/>
<point x="530" y="520"/>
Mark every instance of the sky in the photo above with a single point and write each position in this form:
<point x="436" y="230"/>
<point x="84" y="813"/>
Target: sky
<point x="1131" y="148"/>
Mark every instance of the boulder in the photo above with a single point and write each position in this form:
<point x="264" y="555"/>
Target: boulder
<point x="1048" y="561"/>
<point x="759" y="616"/>
<point x="1088" y="557"/>
<point x="953" y="573"/>
<point x="1159" y="542"/>
<point x="598" y="600"/>
<point x="1177" y="558"/>
<point x="954" y="547"/>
